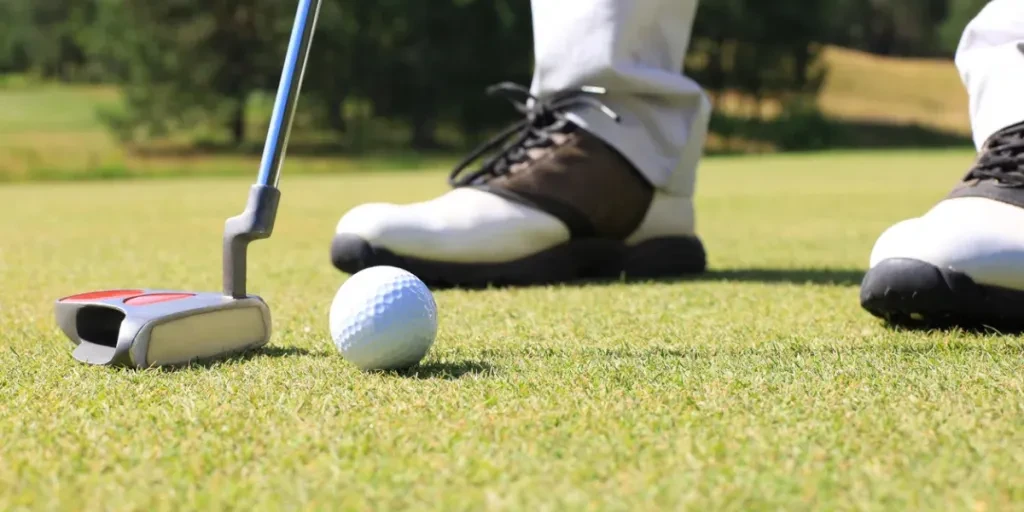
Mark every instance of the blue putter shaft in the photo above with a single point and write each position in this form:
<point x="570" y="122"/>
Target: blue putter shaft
<point x="257" y="221"/>
<point x="288" y="92"/>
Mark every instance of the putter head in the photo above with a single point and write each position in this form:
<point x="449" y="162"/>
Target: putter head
<point x="143" y="328"/>
<point x="147" y="328"/>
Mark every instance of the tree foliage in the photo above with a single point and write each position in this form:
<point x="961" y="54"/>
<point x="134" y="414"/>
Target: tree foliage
<point x="184" y="62"/>
<point x="760" y="49"/>
<point x="419" y="64"/>
<point x="46" y="37"/>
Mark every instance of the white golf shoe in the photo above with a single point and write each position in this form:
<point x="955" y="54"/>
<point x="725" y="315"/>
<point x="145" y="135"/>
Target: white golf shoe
<point x="552" y="204"/>
<point x="962" y="263"/>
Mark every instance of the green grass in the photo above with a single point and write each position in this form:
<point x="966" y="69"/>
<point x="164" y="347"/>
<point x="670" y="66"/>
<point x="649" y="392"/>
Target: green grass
<point x="53" y="132"/>
<point x="761" y="385"/>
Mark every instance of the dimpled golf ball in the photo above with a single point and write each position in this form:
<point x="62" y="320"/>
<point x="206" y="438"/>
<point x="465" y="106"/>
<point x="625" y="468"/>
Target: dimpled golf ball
<point x="383" y="318"/>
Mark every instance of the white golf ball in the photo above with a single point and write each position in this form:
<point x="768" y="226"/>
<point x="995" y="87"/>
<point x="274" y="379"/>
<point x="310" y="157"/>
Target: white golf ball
<point x="383" y="318"/>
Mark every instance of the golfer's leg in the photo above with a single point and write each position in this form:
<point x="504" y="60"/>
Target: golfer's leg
<point x="590" y="197"/>
<point x="635" y="49"/>
<point x="991" y="62"/>
<point x="963" y="261"/>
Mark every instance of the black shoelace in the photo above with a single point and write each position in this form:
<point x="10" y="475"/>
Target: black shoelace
<point x="543" y="118"/>
<point x="1002" y="159"/>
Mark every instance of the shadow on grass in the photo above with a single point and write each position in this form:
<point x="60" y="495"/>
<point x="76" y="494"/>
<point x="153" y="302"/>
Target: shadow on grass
<point x="1008" y="345"/>
<point x="990" y="343"/>
<point x="826" y="276"/>
<point x="1011" y="329"/>
<point x="813" y="276"/>
<point x="881" y="135"/>
<point x="264" y="352"/>
<point x="811" y="130"/>
<point x="276" y="352"/>
<point x="445" y="370"/>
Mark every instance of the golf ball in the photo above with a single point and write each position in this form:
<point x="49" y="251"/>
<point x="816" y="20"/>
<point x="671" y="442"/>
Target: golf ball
<point x="383" y="318"/>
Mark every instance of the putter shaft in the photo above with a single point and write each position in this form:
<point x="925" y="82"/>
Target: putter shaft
<point x="288" y="92"/>
<point x="257" y="221"/>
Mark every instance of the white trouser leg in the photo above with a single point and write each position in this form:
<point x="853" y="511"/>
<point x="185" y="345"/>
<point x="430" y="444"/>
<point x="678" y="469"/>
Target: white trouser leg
<point x="634" y="49"/>
<point x="991" y="62"/>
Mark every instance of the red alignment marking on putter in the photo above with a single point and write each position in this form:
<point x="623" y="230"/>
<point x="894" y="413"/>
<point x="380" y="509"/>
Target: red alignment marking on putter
<point x="156" y="298"/>
<point x="108" y="294"/>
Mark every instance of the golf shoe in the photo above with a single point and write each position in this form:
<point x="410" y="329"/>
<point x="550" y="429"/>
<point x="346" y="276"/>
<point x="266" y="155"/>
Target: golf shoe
<point x="962" y="263"/>
<point x="549" y="203"/>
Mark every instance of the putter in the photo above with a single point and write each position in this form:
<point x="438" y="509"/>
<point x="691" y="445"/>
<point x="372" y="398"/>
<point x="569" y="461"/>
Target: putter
<point x="144" y="327"/>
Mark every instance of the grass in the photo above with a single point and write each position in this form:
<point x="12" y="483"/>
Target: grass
<point x="867" y="102"/>
<point x="54" y="133"/>
<point x="866" y="88"/>
<point x="759" y="386"/>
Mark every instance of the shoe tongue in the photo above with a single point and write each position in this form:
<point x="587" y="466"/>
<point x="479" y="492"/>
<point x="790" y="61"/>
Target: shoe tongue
<point x="534" y="154"/>
<point x="1002" y="159"/>
<point x="560" y="126"/>
<point x="557" y="133"/>
<point x="1010" y="134"/>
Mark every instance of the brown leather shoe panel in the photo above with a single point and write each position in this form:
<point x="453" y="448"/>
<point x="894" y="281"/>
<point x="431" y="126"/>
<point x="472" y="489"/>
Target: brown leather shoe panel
<point x="587" y="175"/>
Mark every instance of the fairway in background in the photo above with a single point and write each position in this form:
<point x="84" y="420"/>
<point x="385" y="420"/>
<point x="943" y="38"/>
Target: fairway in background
<point x="922" y="92"/>
<point x="54" y="132"/>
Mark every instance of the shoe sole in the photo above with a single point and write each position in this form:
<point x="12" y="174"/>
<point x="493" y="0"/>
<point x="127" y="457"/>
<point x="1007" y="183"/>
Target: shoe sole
<point x="572" y="261"/>
<point x="916" y="294"/>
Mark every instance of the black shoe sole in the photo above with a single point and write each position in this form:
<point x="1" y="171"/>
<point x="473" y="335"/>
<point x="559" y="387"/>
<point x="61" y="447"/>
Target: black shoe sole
<point x="916" y="294"/>
<point x="575" y="260"/>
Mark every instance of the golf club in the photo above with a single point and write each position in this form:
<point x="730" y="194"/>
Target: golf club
<point x="144" y="327"/>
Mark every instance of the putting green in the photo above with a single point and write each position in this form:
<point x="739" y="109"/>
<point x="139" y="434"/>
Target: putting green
<point x="760" y="385"/>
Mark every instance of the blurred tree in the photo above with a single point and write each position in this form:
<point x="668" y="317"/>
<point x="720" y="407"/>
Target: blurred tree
<point x="758" y="49"/>
<point x="928" y="28"/>
<point x="961" y="12"/>
<point x="331" y="75"/>
<point x="14" y="18"/>
<point x="186" y="62"/>
<point x="43" y="37"/>
<point x="183" y="63"/>
<point x="425" y="63"/>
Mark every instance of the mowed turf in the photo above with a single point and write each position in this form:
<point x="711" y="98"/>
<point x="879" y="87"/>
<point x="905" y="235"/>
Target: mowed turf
<point x="761" y="385"/>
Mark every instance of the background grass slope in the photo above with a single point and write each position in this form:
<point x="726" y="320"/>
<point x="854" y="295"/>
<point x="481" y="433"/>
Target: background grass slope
<point x="54" y="132"/>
